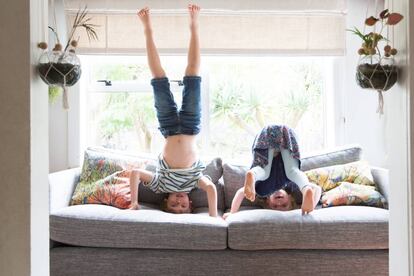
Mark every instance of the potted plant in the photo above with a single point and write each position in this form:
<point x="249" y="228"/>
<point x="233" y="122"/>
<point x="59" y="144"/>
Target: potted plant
<point x="60" y="67"/>
<point x="376" y="68"/>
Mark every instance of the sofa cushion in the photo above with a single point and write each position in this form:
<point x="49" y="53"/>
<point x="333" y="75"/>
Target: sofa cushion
<point x="330" y="177"/>
<point x="112" y="190"/>
<point x="100" y="169"/>
<point x="214" y="169"/>
<point x="233" y="175"/>
<point x="198" y="197"/>
<point x="353" y="194"/>
<point x="343" y="227"/>
<point x="329" y="157"/>
<point x="101" y="166"/>
<point x="98" y="163"/>
<point x="105" y="226"/>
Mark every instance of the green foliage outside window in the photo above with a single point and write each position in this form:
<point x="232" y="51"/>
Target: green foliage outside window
<point x="244" y="97"/>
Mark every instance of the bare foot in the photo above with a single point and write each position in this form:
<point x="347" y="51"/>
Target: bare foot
<point x="307" y="200"/>
<point x="194" y="11"/>
<point x="249" y="186"/>
<point x="311" y="196"/>
<point x="134" y="206"/>
<point x="144" y="15"/>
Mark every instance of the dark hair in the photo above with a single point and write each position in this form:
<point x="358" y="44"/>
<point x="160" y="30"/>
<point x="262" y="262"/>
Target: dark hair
<point x="263" y="201"/>
<point x="164" y="207"/>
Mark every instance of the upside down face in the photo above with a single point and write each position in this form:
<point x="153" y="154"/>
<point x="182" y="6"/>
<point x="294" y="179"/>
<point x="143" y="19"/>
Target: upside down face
<point x="178" y="203"/>
<point x="279" y="200"/>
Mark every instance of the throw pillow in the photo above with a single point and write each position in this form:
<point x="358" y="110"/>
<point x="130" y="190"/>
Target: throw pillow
<point x="233" y="177"/>
<point x="112" y="190"/>
<point x="104" y="177"/>
<point x="105" y="180"/>
<point x="99" y="163"/>
<point x="330" y="177"/>
<point x="353" y="194"/>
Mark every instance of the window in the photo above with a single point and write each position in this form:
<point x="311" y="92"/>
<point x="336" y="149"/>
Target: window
<point x="240" y="95"/>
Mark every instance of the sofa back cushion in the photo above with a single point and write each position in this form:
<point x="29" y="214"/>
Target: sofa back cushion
<point x="104" y="179"/>
<point x="336" y="156"/>
<point x="233" y="175"/>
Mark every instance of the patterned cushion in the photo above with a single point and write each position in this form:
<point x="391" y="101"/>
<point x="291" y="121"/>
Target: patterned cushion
<point x="330" y="177"/>
<point x="112" y="190"/>
<point x="99" y="163"/>
<point x="353" y="194"/>
<point x="105" y="180"/>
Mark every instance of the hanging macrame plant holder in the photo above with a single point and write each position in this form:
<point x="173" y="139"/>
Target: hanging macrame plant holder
<point x="60" y="69"/>
<point x="378" y="73"/>
<point x="376" y="67"/>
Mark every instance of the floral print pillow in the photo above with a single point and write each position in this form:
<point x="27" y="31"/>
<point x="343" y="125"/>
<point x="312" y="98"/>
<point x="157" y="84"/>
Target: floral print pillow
<point x="330" y="177"/>
<point x="353" y="194"/>
<point x="98" y="164"/>
<point x="104" y="178"/>
<point x="112" y="190"/>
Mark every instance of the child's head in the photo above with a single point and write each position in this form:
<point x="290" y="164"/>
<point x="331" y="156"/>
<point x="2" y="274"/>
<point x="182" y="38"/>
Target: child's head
<point x="178" y="203"/>
<point x="281" y="201"/>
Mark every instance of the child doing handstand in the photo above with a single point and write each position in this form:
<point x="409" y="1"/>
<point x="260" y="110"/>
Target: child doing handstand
<point x="276" y="162"/>
<point x="179" y="170"/>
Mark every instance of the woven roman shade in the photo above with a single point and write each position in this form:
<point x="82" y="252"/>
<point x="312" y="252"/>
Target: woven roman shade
<point x="299" y="27"/>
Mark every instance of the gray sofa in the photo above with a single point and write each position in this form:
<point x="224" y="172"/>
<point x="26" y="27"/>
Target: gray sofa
<point x="103" y="240"/>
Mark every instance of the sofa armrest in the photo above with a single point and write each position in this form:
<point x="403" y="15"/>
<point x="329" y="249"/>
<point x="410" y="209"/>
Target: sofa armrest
<point x="61" y="187"/>
<point x="381" y="179"/>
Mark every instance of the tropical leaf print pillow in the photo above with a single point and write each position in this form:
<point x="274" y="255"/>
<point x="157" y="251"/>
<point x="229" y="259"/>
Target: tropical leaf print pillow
<point x="330" y="177"/>
<point x="353" y="194"/>
<point x="98" y="164"/>
<point x="104" y="178"/>
<point x="112" y="190"/>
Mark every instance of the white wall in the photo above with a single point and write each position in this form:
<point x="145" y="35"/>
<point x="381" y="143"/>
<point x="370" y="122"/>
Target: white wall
<point x="58" y="119"/>
<point x="397" y="146"/>
<point x="362" y="124"/>
<point x="411" y="128"/>
<point x="384" y="139"/>
<point x="39" y="144"/>
<point x="58" y="136"/>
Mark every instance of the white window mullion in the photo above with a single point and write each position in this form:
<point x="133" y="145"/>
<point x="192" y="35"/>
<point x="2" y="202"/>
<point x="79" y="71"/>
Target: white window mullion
<point x="205" y="109"/>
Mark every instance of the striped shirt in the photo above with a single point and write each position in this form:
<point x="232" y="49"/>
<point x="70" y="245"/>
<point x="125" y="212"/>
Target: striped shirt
<point x="168" y="180"/>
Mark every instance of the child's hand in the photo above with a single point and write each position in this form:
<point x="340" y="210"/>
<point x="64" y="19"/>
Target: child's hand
<point x="226" y="215"/>
<point x="134" y="206"/>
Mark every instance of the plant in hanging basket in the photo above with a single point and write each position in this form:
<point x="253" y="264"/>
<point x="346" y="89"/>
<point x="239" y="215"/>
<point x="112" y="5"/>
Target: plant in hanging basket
<point x="376" y="68"/>
<point x="60" y="66"/>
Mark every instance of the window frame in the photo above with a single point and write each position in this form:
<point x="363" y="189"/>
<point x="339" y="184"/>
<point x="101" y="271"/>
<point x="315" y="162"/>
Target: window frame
<point x="334" y="123"/>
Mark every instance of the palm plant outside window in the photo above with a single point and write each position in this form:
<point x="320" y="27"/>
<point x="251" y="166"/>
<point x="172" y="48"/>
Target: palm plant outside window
<point x="241" y="95"/>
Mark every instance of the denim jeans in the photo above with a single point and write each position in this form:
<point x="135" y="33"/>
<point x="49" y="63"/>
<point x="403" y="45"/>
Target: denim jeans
<point x="172" y="121"/>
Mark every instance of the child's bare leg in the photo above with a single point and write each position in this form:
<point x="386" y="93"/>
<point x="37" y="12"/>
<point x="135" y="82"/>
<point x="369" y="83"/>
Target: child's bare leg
<point x="154" y="62"/>
<point x="249" y="186"/>
<point x="193" y="58"/>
